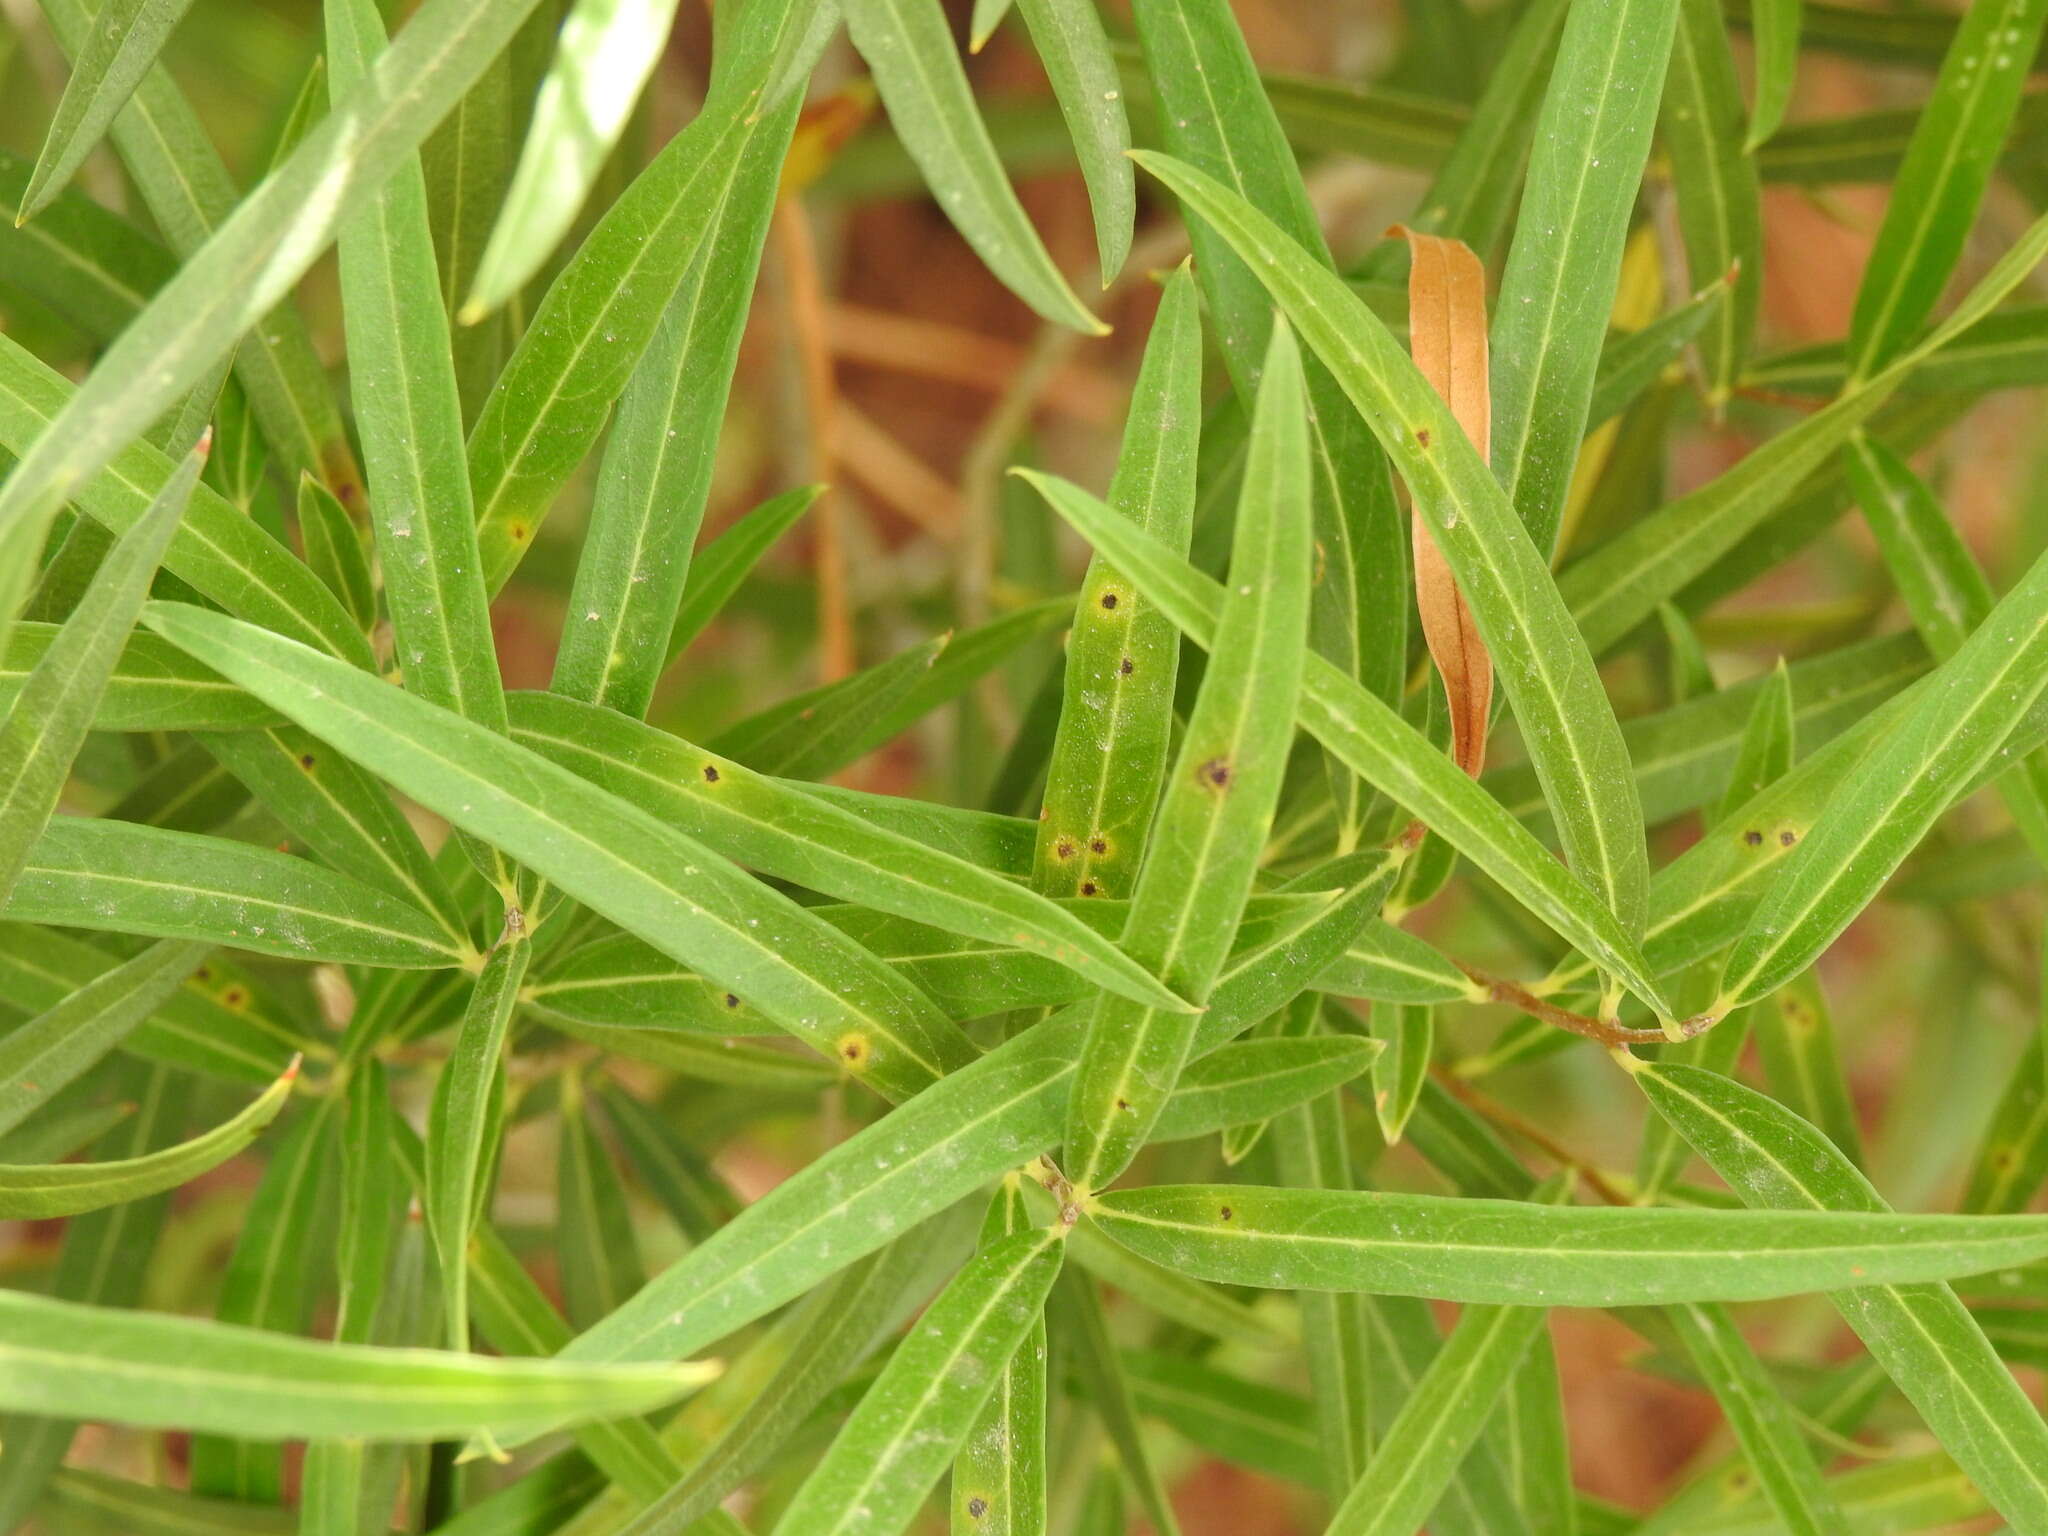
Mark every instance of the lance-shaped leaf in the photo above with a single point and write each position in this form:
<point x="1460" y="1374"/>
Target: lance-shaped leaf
<point x="52" y="1049"/>
<point x="1945" y="592"/>
<point x="125" y="878"/>
<point x="822" y="729"/>
<point x="190" y="1028"/>
<point x="1074" y="49"/>
<point x="1408" y="1033"/>
<point x="762" y="823"/>
<point x="1937" y="189"/>
<point x="1382" y="747"/>
<point x="909" y="47"/>
<point x="2012" y="1159"/>
<point x="1795" y="1039"/>
<point x="1557" y="290"/>
<point x="1720" y="218"/>
<point x="121" y="46"/>
<point x="600" y="1260"/>
<point x="717" y="571"/>
<point x="1955" y="729"/>
<point x="402" y="378"/>
<point x="54" y="709"/>
<point x="333" y="547"/>
<point x="1253" y="1080"/>
<point x="165" y="1372"/>
<point x="1116" y="717"/>
<point x="1390" y="965"/>
<point x="910" y="1422"/>
<point x="1439" y="1422"/>
<point x="1774" y="31"/>
<point x="1542" y="661"/>
<point x="468" y="1106"/>
<point x="620" y="862"/>
<point x="1447" y="336"/>
<point x="598" y="315"/>
<point x="635" y="567"/>
<point x="1219" y="798"/>
<point x="603" y="55"/>
<point x="68" y="1189"/>
<point x="1761" y="1418"/>
<point x="250" y="262"/>
<point x="1921" y="1334"/>
<point x="1768" y="742"/>
<point x="985" y="1119"/>
<point x="1502" y="1251"/>
<point x="998" y="1482"/>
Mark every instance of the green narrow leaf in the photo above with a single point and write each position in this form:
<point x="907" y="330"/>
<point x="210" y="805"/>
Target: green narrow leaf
<point x="678" y="1176"/>
<point x="2012" y="1160"/>
<point x="462" y="1125"/>
<point x="1634" y="360"/>
<point x="343" y="815"/>
<point x="823" y="729"/>
<point x="909" y="47"/>
<point x="911" y="1421"/>
<point x="219" y="550"/>
<point x="718" y="570"/>
<point x="1246" y="1422"/>
<point x="1116" y="716"/>
<point x="1535" y="1448"/>
<point x="103" y="1261"/>
<point x="1557" y="290"/>
<point x="594" y="1230"/>
<point x="1381" y="746"/>
<point x="634" y="570"/>
<point x="1774" y="28"/>
<point x="57" y="1045"/>
<point x="1075" y="52"/>
<point x="1920" y="1334"/>
<point x="1254" y="1080"/>
<point x="1440" y="1421"/>
<point x="617" y="860"/>
<point x="1768" y="743"/>
<point x="1945" y="592"/>
<point x="1085" y="1331"/>
<point x="1761" y="1419"/>
<point x="1408" y="1031"/>
<point x="998" y="1483"/>
<point x="190" y="194"/>
<point x="182" y="1373"/>
<point x="1720" y="217"/>
<point x="121" y="46"/>
<point x="604" y="54"/>
<point x="1502" y="1251"/>
<point x="334" y="549"/>
<point x="54" y="710"/>
<point x="402" y="379"/>
<point x="1956" y="728"/>
<point x="1218" y="804"/>
<point x="1795" y="1037"/>
<point x="765" y="825"/>
<point x="1543" y="664"/>
<point x="68" y="1189"/>
<point x="1312" y="1152"/>
<point x="1938" y="187"/>
<point x="125" y="878"/>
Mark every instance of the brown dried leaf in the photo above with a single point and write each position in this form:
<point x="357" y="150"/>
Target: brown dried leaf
<point x="1447" y="335"/>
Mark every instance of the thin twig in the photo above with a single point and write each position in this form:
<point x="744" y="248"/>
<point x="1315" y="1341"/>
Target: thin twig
<point x="1514" y="1123"/>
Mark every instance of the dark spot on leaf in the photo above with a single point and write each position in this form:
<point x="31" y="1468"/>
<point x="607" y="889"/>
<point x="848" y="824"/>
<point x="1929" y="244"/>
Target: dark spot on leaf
<point x="1109" y="600"/>
<point x="1123" y="1104"/>
<point x="234" y="997"/>
<point x="1422" y="436"/>
<point x="518" y="532"/>
<point x="1225" y="1212"/>
<point x="1063" y="849"/>
<point x="1125" y="667"/>
<point x="710" y="774"/>
<point x="732" y="1000"/>
<point x="204" y="973"/>
<point x="1787" y="838"/>
<point x="1216" y="771"/>
<point x="306" y="761"/>
<point x="854" y="1048"/>
<point x="1097" y="845"/>
<point x="1088" y="887"/>
<point x="977" y="1507"/>
<point x="2002" y="1160"/>
<point x="1753" y="837"/>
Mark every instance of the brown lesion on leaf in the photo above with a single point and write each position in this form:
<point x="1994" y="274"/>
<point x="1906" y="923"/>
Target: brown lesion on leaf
<point x="732" y="999"/>
<point x="1422" y="437"/>
<point x="233" y="997"/>
<point x="1090" y="888"/>
<point x="1754" y="838"/>
<point x="518" y="532"/>
<point x="853" y="1050"/>
<point x="1787" y="837"/>
<point x="1126" y="667"/>
<point x="1109" y="599"/>
<point x="1098" y="846"/>
<point x="711" y="774"/>
<point x="1226" y="1213"/>
<point x="1063" y="849"/>
<point x="977" y="1507"/>
<point x="1215" y="773"/>
<point x="306" y="761"/>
